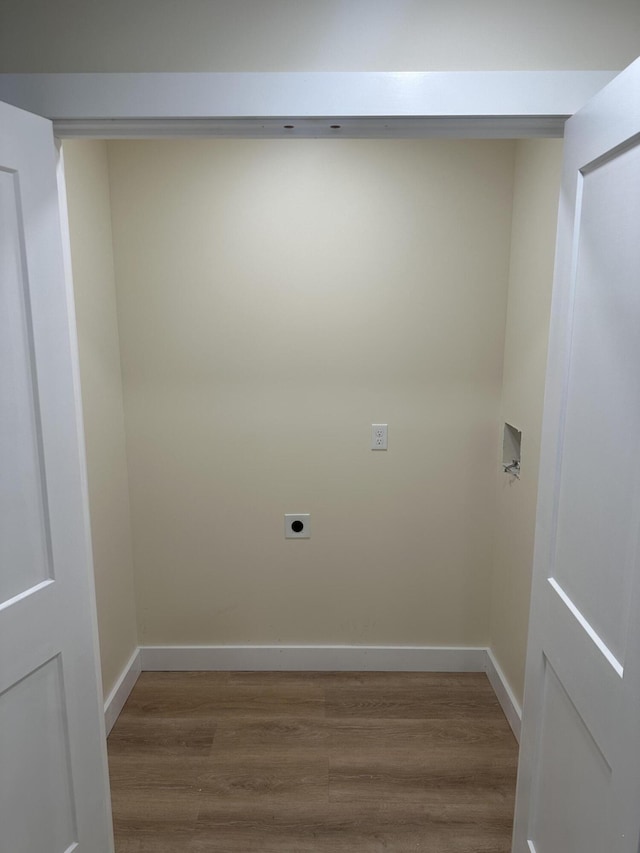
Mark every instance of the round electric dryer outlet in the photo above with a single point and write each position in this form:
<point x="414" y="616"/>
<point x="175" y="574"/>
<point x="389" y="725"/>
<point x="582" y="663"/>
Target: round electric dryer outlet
<point x="297" y="525"/>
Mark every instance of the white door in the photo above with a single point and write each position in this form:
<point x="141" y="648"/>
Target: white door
<point x="579" y="779"/>
<point x="54" y="794"/>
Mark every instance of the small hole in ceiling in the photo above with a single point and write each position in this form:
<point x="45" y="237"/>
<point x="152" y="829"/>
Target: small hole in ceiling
<point x="289" y="126"/>
<point x="336" y="126"/>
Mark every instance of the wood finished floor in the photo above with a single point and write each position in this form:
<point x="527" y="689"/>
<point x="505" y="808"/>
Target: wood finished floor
<point x="205" y="762"/>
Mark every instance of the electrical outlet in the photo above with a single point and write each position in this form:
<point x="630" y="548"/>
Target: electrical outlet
<point x="297" y="525"/>
<point x="378" y="436"/>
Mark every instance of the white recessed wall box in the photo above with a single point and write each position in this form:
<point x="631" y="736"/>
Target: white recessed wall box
<point x="511" y="450"/>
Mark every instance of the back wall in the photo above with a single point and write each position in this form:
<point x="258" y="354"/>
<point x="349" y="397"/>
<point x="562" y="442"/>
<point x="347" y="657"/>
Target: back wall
<point x="275" y="298"/>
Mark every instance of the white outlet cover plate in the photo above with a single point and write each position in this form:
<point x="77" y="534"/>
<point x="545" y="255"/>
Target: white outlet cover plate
<point x="304" y="518"/>
<point x="379" y="436"/>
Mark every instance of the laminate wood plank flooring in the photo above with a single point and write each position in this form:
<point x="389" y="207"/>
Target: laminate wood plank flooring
<point x="204" y="762"/>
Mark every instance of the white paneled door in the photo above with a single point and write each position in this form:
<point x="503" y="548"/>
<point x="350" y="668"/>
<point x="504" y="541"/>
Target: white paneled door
<point x="54" y="795"/>
<point x="579" y="778"/>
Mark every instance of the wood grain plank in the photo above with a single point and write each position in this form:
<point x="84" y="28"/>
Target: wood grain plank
<point x="266" y="782"/>
<point x="368" y="734"/>
<point x="205" y="695"/>
<point x="462" y="696"/>
<point x="153" y="836"/>
<point x="343" y="828"/>
<point x="441" y="777"/>
<point x="161" y="735"/>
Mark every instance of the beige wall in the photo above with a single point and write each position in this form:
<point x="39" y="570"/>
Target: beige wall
<point x="536" y="189"/>
<point x="317" y="35"/>
<point x="92" y="260"/>
<point x="275" y="298"/>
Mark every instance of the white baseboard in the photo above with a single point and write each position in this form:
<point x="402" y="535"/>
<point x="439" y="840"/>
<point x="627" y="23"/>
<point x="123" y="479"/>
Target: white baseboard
<point x="504" y="693"/>
<point x="114" y="702"/>
<point x="314" y="658"/>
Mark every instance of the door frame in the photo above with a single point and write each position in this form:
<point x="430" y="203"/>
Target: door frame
<point x="459" y="104"/>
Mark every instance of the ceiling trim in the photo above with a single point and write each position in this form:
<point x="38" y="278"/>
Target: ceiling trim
<point x="486" y="104"/>
<point x="476" y="127"/>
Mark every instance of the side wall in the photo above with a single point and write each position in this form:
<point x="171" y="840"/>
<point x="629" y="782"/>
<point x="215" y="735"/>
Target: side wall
<point x="94" y="286"/>
<point x="317" y="35"/>
<point x="535" y="207"/>
<point x="275" y="298"/>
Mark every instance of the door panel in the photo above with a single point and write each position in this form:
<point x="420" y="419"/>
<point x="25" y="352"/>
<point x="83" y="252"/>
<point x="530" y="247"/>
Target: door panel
<point x="34" y="709"/>
<point x="571" y="823"/>
<point x="25" y="554"/>
<point x="54" y="795"/>
<point x="596" y="533"/>
<point x="579" y="775"/>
